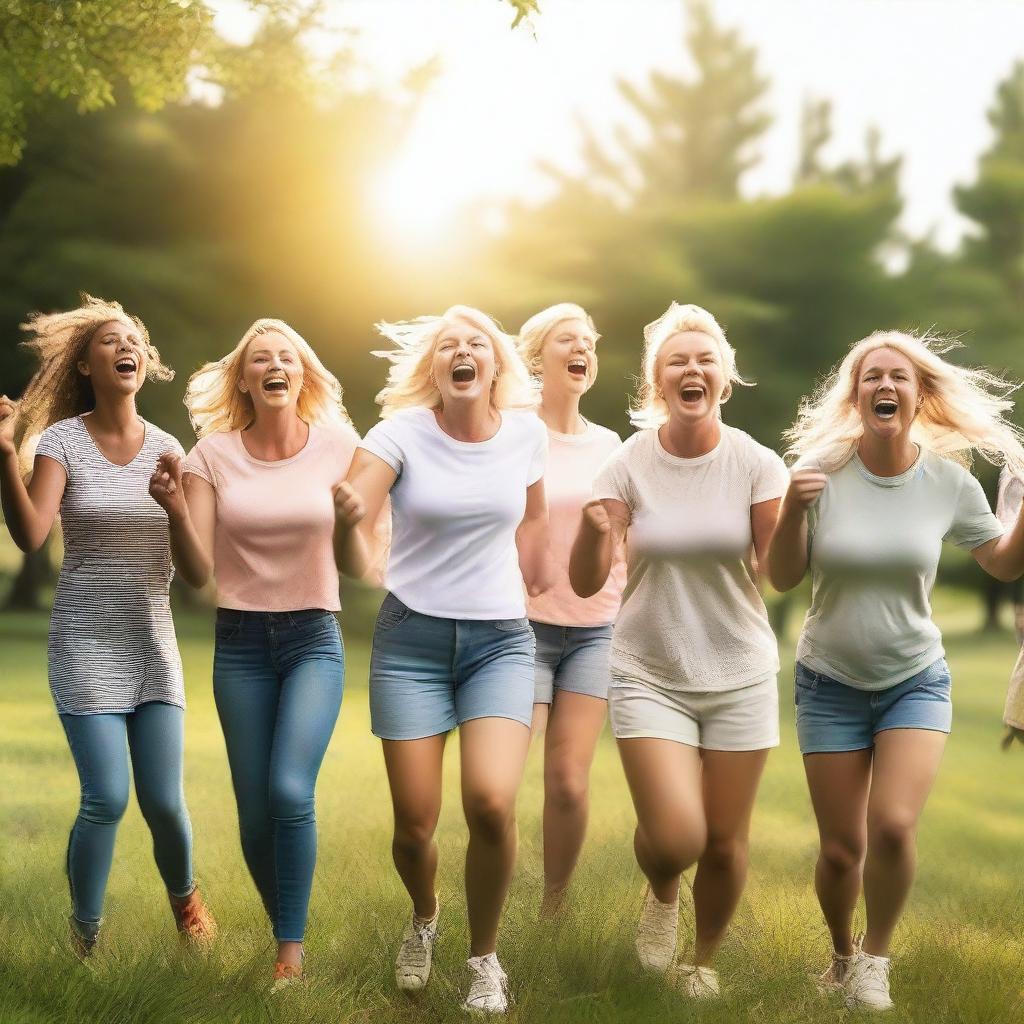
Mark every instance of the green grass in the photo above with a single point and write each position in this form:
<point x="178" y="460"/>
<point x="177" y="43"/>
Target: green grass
<point x="959" y="953"/>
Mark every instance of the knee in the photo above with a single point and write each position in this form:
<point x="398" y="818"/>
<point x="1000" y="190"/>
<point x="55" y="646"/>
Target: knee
<point x="163" y="808"/>
<point x="566" y="787"/>
<point x="490" y="817"/>
<point x="842" y="854"/>
<point x="671" y="850"/>
<point x="892" y="833"/>
<point x="413" y="834"/>
<point x="290" y="799"/>
<point x="105" y="804"/>
<point x="725" y="853"/>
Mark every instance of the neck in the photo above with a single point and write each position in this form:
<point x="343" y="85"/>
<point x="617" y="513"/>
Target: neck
<point x="469" y="421"/>
<point x="887" y="456"/>
<point x="278" y="430"/>
<point x="561" y="412"/>
<point x="690" y="440"/>
<point x="115" y="414"/>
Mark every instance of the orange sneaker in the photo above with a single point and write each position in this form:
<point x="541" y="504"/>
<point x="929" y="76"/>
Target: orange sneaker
<point x="285" y="975"/>
<point x="195" y="923"/>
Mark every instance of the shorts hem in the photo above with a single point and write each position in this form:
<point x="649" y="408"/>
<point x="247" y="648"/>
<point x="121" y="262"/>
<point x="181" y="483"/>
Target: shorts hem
<point x="417" y="736"/>
<point x="528" y="722"/>
<point x="840" y="749"/>
<point x="919" y="728"/>
<point x="653" y="734"/>
<point x="745" y="749"/>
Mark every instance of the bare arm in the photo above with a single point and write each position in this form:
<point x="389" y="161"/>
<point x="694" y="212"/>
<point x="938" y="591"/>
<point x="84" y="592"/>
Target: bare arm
<point x="786" y="558"/>
<point x="532" y="542"/>
<point x="192" y="538"/>
<point x="358" y="502"/>
<point x="1003" y="557"/>
<point x="599" y="540"/>
<point x="763" y="517"/>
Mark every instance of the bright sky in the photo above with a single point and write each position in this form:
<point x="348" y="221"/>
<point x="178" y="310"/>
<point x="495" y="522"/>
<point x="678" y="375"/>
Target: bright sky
<point x="924" y="71"/>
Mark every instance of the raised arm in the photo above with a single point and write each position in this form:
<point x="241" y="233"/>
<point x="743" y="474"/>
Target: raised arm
<point x="601" y="534"/>
<point x="787" y="549"/>
<point x="358" y="502"/>
<point x="532" y="542"/>
<point x="1003" y="557"/>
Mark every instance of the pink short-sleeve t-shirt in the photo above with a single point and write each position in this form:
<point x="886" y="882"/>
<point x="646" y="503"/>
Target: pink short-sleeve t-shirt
<point x="275" y="520"/>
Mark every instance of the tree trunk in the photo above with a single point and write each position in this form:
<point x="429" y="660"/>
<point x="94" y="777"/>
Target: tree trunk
<point x="36" y="573"/>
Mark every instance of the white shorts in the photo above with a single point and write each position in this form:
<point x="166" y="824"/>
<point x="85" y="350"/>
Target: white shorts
<point x="743" y="719"/>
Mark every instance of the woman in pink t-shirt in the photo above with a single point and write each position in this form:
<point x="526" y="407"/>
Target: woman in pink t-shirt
<point x="274" y="442"/>
<point x="573" y="633"/>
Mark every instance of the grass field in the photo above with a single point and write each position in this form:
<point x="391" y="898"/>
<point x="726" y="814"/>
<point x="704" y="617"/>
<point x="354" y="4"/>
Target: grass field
<point x="959" y="955"/>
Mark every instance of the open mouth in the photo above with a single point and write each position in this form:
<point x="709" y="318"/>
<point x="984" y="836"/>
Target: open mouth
<point x="276" y="385"/>
<point x="464" y="373"/>
<point x="691" y="394"/>
<point x="886" y="408"/>
<point x="578" y="368"/>
<point x="126" y="366"/>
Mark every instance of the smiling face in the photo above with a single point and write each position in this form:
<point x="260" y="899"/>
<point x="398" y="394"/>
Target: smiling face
<point x="688" y="374"/>
<point x="115" y="359"/>
<point x="568" y="357"/>
<point x="463" y="366"/>
<point x="272" y="371"/>
<point x="888" y="394"/>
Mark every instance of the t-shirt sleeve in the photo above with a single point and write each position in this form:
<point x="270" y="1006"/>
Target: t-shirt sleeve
<point x="345" y="441"/>
<point x="973" y="520"/>
<point x="384" y="440"/>
<point x="539" y="454"/>
<point x="51" y="444"/>
<point x="770" y="477"/>
<point x="612" y="480"/>
<point x="197" y="461"/>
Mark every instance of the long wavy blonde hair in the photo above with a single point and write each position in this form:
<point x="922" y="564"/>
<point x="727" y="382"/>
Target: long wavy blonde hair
<point x="963" y="409"/>
<point x="649" y="409"/>
<point x="535" y="332"/>
<point x="215" y="403"/>
<point x="409" y="382"/>
<point x="58" y="389"/>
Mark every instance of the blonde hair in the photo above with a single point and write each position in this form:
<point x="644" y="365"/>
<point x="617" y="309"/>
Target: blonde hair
<point x="963" y="410"/>
<point x="58" y="389"/>
<point x="649" y="409"/>
<point x="409" y="383"/>
<point x="535" y="331"/>
<point x="215" y="403"/>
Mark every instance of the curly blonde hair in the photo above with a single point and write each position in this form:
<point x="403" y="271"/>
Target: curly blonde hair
<point x="963" y="409"/>
<point x="649" y="409"/>
<point x="215" y="403"/>
<point x="535" y="332"/>
<point x="409" y="382"/>
<point x="58" y="390"/>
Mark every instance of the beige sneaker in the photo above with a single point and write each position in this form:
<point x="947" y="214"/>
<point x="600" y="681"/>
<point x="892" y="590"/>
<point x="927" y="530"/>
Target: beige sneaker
<point x="867" y="983"/>
<point x="656" y="933"/>
<point x="412" y="965"/>
<point x="695" y="982"/>
<point x="833" y="978"/>
<point x="488" y="991"/>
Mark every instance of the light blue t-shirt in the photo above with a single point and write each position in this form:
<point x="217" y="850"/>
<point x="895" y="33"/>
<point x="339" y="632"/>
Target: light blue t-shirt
<point x="874" y="545"/>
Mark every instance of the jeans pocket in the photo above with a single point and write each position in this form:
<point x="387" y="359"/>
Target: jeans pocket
<point x="392" y="613"/>
<point x="512" y="625"/>
<point x="227" y="631"/>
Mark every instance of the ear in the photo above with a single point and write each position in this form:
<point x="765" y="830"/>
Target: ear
<point x="726" y="393"/>
<point x="83" y="368"/>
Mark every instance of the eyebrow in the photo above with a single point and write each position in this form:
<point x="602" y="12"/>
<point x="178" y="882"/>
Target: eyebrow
<point x="894" y="369"/>
<point x="682" y="355"/>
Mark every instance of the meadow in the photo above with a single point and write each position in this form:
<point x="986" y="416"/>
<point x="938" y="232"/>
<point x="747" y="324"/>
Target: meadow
<point x="958" y="956"/>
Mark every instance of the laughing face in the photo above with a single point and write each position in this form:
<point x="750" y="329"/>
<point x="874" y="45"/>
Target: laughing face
<point x="888" y="393"/>
<point x="569" y="358"/>
<point x="463" y="366"/>
<point x="690" y="377"/>
<point x="115" y="359"/>
<point x="272" y="371"/>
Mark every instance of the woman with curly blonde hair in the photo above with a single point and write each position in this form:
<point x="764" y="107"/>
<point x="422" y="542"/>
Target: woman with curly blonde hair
<point x="274" y="443"/>
<point x="879" y="483"/>
<point x="461" y="454"/>
<point x="693" y="700"/>
<point x="114" y="667"/>
<point x="570" y="700"/>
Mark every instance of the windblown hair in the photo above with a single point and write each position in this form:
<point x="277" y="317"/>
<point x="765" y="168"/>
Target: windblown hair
<point x="963" y="410"/>
<point x="649" y="409"/>
<point x="58" y="389"/>
<point x="536" y="330"/>
<point x="215" y="403"/>
<point x="409" y="382"/>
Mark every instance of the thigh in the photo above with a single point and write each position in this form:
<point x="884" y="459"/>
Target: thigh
<point x="729" y="783"/>
<point x="99" y="746"/>
<point x="640" y="711"/>
<point x="921" y="702"/>
<point x="573" y="729"/>
<point x="492" y="755"/>
<point x="839" y="784"/>
<point x="495" y="670"/>
<point x="550" y="648"/>
<point x="156" y="739"/>
<point x="664" y="779"/>
<point x="585" y="667"/>
<point x="831" y="717"/>
<point x="905" y="766"/>
<point x="414" y="769"/>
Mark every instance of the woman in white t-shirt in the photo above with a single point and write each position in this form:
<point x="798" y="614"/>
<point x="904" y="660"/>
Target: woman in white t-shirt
<point x="870" y="503"/>
<point x="693" y="701"/>
<point x="570" y="701"/>
<point x="461" y="454"/>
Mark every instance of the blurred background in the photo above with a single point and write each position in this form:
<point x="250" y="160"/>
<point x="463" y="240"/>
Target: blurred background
<point x="809" y="171"/>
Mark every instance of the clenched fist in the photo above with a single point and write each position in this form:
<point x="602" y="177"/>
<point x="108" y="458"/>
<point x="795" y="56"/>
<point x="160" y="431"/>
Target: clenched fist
<point x="165" y="486"/>
<point x="805" y="487"/>
<point x="595" y="516"/>
<point x="349" y="507"/>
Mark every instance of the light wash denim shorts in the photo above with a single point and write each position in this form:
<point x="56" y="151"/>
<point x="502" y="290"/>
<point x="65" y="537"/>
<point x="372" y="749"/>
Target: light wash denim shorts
<point x="573" y="658"/>
<point x="429" y="674"/>
<point x="832" y="716"/>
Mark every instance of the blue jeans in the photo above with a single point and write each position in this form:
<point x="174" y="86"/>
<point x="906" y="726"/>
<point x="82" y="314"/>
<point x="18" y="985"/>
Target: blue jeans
<point x="277" y="681"/>
<point x="155" y="735"/>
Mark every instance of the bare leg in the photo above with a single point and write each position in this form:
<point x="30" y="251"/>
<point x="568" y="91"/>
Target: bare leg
<point x="906" y="763"/>
<point x="838" y="784"/>
<point x="493" y="757"/>
<point x="540" y="720"/>
<point x="730" y="783"/>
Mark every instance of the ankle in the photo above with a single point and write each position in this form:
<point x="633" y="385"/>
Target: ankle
<point x="290" y="954"/>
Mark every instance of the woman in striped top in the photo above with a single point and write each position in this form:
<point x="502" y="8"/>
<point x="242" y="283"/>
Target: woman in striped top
<point x="114" y="668"/>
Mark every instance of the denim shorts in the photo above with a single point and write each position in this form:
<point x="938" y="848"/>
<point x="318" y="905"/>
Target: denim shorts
<point x="573" y="658"/>
<point x="832" y="716"/>
<point x="429" y="674"/>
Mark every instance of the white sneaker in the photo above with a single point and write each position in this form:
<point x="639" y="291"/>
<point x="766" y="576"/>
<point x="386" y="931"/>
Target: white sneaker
<point x="833" y="978"/>
<point x="695" y="982"/>
<point x="412" y="965"/>
<point x="656" y="933"/>
<point x="867" y="983"/>
<point x="488" y="991"/>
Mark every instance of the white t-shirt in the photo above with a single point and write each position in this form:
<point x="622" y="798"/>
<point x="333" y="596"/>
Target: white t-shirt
<point x="455" y="509"/>
<point x="874" y="546"/>
<point x="692" y="618"/>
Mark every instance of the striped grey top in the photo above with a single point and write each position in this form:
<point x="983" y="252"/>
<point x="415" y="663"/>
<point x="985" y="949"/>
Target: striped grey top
<point x="112" y="645"/>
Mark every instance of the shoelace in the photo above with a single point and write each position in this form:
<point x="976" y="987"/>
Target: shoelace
<point x="416" y="955"/>
<point x="488" y="975"/>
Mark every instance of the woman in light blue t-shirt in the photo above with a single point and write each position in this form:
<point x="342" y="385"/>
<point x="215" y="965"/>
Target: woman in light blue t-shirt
<point x="873" y="496"/>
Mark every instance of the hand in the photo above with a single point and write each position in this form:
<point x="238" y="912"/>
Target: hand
<point x="8" y="416"/>
<point x="165" y="486"/>
<point x="595" y="516"/>
<point x="349" y="507"/>
<point x="805" y="487"/>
